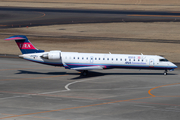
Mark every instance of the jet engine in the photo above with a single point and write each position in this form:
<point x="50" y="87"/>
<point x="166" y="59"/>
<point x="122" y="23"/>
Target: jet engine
<point x="52" y="55"/>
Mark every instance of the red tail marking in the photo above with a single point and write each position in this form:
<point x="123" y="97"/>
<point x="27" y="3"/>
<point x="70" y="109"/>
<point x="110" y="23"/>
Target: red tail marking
<point x="25" y="46"/>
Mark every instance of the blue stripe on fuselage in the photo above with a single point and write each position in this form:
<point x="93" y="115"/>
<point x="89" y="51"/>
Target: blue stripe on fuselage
<point x="75" y="65"/>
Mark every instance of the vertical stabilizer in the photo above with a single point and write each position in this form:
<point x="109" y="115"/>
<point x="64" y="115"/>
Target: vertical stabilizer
<point x="24" y="44"/>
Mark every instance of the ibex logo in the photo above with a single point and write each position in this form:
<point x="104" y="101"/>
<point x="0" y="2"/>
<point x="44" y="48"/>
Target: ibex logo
<point x="25" y="46"/>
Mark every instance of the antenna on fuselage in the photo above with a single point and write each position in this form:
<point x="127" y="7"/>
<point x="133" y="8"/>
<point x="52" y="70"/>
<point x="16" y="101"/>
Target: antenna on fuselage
<point x="143" y="57"/>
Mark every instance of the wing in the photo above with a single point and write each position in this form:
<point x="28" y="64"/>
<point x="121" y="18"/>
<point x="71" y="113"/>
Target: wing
<point x="88" y="68"/>
<point x="83" y="67"/>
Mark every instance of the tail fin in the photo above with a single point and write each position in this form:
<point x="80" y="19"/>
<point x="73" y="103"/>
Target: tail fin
<point x="24" y="44"/>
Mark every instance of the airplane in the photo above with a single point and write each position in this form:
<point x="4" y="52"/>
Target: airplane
<point x="90" y="61"/>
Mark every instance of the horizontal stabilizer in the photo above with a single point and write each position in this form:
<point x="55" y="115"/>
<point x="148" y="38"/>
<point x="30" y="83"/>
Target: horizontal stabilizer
<point x="15" y="38"/>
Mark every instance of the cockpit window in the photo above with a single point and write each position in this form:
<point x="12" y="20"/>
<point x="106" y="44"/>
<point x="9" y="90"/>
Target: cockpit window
<point x="163" y="60"/>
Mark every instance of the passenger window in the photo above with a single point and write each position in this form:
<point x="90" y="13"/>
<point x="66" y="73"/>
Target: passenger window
<point x="116" y="59"/>
<point x="95" y="58"/>
<point x="74" y="57"/>
<point x="103" y="58"/>
<point x="134" y="59"/>
<point x="138" y="59"/>
<point x="121" y="59"/>
<point x="87" y="58"/>
<point x="99" y="59"/>
<point x="112" y="59"/>
<point x="142" y="60"/>
<point x="107" y="58"/>
<point x="129" y="59"/>
<point x="82" y="58"/>
<point x="125" y="59"/>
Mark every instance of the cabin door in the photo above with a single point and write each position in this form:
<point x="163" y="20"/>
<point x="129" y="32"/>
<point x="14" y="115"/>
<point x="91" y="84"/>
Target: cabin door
<point x="151" y="62"/>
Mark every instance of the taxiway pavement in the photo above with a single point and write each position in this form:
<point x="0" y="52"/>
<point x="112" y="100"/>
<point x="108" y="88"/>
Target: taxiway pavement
<point x="39" y="92"/>
<point x="22" y="17"/>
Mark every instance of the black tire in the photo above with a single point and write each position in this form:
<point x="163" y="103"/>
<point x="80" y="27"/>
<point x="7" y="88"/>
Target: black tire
<point x="84" y="73"/>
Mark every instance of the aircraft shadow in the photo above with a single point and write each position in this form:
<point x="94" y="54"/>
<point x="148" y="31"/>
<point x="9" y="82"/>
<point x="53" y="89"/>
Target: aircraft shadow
<point x="49" y="73"/>
<point x="97" y="74"/>
<point x="90" y="74"/>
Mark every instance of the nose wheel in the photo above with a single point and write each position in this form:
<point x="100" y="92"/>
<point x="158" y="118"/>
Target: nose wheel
<point x="165" y="72"/>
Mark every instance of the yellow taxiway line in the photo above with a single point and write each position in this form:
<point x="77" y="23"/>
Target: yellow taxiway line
<point x="159" y="87"/>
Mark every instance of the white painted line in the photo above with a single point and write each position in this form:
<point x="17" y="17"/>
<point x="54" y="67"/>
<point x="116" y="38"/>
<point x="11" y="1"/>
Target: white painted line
<point x="11" y="97"/>
<point x="113" y="89"/>
<point x="144" y="106"/>
<point x="67" y="86"/>
<point x="53" y="98"/>
<point x="167" y="110"/>
<point x="83" y="100"/>
<point x="29" y="95"/>
<point x="49" y="92"/>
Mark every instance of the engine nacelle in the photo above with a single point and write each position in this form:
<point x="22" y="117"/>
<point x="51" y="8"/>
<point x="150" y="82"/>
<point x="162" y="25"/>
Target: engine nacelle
<point x="52" y="55"/>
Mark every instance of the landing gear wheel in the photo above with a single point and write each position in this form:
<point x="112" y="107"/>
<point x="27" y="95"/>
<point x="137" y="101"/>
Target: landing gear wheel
<point x="165" y="72"/>
<point x="84" y="73"/>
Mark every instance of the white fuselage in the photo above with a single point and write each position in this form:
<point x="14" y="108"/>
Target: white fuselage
<point x="90" y="61"/>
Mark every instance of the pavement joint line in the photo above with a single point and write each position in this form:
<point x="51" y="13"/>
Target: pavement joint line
<point x="159" y="87"/>
<point x="41" y="117"/>
<point x="154" y="15"/>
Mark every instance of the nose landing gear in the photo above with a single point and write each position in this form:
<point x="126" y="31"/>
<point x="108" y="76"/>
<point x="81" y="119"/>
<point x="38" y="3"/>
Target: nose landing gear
<point x="165" y="72"/>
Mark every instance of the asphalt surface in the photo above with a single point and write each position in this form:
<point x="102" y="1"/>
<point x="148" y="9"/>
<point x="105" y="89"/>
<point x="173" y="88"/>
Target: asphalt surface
<point x="22" y="17"/>
<point x="39" y="92"/>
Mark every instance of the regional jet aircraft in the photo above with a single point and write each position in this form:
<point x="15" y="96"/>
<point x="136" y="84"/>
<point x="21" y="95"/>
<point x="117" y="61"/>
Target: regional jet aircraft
<point x="90" y="61"/>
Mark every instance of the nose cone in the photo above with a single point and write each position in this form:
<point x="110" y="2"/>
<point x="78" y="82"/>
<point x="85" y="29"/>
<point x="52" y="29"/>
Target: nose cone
<point x="173" y="65"/>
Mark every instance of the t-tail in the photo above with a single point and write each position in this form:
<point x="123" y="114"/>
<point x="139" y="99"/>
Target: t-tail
<point x="24" y="44"/>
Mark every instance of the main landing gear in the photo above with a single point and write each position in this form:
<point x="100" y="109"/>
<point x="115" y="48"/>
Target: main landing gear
<point x="84" y="73"/>
<point x="165" y="72"/>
